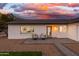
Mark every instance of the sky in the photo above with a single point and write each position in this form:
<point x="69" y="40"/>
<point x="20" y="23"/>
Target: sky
<point x="41" y="10"/>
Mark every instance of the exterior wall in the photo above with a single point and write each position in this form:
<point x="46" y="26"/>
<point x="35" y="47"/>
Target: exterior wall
<point x="78" y="32"/>
<point x="39" y="29"/>
<point x="60" y="35"/>
<point x="73" y="31"/>
<point x="15" y="33"/>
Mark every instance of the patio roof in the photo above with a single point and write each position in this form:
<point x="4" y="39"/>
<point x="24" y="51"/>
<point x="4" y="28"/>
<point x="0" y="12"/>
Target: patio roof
<point x="44" y="21"/>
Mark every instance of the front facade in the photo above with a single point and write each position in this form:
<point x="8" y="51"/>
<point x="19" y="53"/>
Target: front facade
<point x="73" y="31"/>
<point x="23" y="31"/>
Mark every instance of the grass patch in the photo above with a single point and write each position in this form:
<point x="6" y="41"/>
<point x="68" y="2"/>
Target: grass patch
<point x="21" y="53"/>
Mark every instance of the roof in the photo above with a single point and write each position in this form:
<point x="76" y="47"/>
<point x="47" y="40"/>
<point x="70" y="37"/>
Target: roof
<point x="44" y="21"/>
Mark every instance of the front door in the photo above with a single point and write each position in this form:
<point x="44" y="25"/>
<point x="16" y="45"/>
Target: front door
<point x="49" y="31"/>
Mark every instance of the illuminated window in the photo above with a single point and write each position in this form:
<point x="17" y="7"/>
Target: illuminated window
<point x="62" y="28"/>
<point x="54" y="28"/>
<point x="26" y="29"/>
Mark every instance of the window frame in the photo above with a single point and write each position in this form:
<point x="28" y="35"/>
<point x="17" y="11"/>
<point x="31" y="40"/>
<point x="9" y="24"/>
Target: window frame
<point x="62" y="28"/>
<point x="27" y="31"/>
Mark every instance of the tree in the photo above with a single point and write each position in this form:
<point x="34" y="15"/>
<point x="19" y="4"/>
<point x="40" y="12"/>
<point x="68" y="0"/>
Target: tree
<point x="4" y="19"/>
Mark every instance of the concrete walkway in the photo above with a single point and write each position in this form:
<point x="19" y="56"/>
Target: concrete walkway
<point x="58" y="43"/>
<point x="63" y="49"/>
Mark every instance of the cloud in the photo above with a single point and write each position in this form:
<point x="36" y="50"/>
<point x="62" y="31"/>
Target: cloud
<point x="4" y="11"/>
<point x="41" y="10"/>
<point x="2" y="5"/>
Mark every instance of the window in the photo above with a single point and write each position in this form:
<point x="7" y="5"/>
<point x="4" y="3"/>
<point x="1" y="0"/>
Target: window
<point x="54" y="28"/>
<point x="62" y="28"/>
<point x="59" y="28"/>
<point x="26" y="29"/>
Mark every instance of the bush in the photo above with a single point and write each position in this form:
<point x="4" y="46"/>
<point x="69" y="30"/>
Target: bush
<point x="30" y="53"/>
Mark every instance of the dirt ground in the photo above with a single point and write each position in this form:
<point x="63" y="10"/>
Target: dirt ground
<point x="48" y="49"/>
<point x="17" y="45"/>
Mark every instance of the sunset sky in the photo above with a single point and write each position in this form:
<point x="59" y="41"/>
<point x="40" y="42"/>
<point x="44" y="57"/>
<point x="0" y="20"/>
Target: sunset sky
<point x="41" y="10"/>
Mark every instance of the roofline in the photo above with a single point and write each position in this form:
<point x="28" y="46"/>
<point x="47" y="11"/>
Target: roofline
<point x="44" y="21"/>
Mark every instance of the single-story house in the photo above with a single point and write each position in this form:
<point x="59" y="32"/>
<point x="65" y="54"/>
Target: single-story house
<point x="59" y="28"/>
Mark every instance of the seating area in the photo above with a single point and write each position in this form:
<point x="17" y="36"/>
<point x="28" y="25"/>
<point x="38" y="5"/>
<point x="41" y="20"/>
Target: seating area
<point x="41" y="36"/>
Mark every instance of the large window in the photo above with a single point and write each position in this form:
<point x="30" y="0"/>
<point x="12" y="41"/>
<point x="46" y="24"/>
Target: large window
<point x="59" y="28"/>
<point x="26" y="29"/>
<point x="55" y="28"/>
<point x="62" y="28"/>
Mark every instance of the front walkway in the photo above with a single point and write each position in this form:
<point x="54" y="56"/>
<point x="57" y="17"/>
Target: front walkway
<point x="48" y="47"/>
<point x="59" y="43"/>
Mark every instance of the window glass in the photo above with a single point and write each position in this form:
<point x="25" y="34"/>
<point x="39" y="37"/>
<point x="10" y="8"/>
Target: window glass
<point x="26" y="29"/>
<point x="62" y="28"/>
<point x="54" y="28"/>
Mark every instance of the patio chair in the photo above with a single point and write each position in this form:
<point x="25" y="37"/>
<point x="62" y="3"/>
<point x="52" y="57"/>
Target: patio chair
<point x="34" y="36"/>
<point x="43" y="37"/>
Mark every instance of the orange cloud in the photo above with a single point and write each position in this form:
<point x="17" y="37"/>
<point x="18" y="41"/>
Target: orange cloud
<point x="73" y="4"/>
<point x="43" y="6"/>
<point x="44" y="16"/>
<point x="4" y="11"/>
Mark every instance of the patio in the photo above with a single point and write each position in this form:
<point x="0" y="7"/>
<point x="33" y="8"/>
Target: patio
<point x="48" y="47"/>
<point x="50" y="40"/>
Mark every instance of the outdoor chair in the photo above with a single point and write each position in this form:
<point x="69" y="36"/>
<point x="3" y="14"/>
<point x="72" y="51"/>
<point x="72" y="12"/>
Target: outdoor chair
<point x="43" y="37"/>
<point x="34" y="36"/>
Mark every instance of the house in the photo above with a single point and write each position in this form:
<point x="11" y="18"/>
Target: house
<point x="59" y="28"/>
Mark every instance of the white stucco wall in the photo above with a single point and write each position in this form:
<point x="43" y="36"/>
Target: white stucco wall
<point x="73" y="31"/>
<point x="60" y="35"/>
<point x="38" y="29"/>
<point x="78" y="32"/>
<point x="15" y="33"/>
